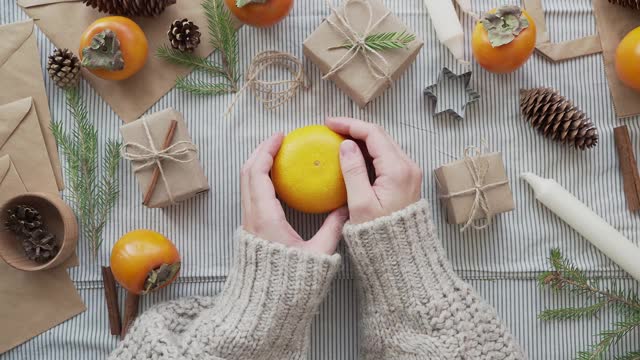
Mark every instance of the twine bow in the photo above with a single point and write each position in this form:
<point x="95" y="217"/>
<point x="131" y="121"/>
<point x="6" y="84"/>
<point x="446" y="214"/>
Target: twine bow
<point x="376" y="63"/>
<point x="148" y="157"/>
<point x="478" y="169"/>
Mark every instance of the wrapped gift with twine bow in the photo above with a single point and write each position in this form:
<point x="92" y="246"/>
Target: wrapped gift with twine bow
<point x="164" y="157"/>
<point x="363" y="48"/>
<point x="475" y="189"/>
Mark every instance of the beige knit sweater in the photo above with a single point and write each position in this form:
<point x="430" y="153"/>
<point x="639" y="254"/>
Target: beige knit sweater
<point x="413" y="306"/>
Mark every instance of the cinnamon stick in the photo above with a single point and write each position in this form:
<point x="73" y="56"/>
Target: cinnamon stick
<point x="168" y="140"/>
<point x="111" y="297"/>
<point x="629" y="167"/>
<point x="131" y="304"/>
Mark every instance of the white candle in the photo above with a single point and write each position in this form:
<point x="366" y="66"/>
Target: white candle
<point x="447" y="24"/>
<point x="594" y="228"/>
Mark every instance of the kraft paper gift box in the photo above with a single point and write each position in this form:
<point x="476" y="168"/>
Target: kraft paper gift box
<point x="21" y="77"/>
<point x="356" y="78"/>
<point x="21" y="138"/>
<point x="183" y="178"/>
<point x="457" y="178"/>
<point x="64" y="21"/>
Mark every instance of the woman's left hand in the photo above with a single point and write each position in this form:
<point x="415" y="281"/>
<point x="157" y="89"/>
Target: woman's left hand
<point x="262" y="213"/>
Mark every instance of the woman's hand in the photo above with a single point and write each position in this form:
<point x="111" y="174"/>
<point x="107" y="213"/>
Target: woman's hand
<point x="398" y="181"/>
<point x="262" y="213"/>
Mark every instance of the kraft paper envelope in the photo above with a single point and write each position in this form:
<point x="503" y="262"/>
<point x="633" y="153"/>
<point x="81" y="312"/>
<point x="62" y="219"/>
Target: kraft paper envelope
<point x="132" y="97"/>
<point x="34" y="302"/>
<point x="614" y="23"/>
<point x="10" y="182"/>
<point x="21" y="76"/>
<point x="31" y="302"/>
<point x="21" y="138"/>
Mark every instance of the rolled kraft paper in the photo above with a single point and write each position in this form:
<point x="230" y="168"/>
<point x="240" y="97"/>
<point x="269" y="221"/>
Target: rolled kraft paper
<point x="589" y="224"/>
<point x="447" y="24"/>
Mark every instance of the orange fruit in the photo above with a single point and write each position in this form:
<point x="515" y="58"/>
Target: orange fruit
<point x="306" y="171"/>
<point x="628" y="60"/>
<point x="144" y="260"/>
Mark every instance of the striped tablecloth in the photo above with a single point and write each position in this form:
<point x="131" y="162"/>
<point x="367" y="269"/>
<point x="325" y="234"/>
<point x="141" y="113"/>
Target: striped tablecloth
<point x="502" y="262"/>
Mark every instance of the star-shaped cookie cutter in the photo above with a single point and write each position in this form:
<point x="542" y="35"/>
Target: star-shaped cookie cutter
<point x="447" y="93"/>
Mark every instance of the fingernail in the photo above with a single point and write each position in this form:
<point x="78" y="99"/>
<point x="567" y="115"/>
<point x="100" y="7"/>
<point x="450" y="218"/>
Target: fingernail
<point x="348" y="147"/>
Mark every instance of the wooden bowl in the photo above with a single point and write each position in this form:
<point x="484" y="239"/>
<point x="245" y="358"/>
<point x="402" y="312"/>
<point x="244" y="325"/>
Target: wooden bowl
<point x="58" y="218"/>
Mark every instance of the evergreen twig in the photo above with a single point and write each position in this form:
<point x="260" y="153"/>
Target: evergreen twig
<point x="93" y="196"/>
<point x="224" y="38"/>
<point x="383" y="41"/>
<point x="566" y="276"/>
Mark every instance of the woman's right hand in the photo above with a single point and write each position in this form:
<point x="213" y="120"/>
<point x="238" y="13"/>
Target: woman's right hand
<point x="398" y="181"/>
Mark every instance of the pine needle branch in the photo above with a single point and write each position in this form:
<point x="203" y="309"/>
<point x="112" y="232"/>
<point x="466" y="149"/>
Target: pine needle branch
<point x="225" y="39"/>
<point x="566" y="276"/>
<point x="189" y="60"/>
<point x="223" y="36"/>
<point x="92" y="197"/>
<point x="383" y="41"/>
<point x="635" y="355"/>
<point x="198" y="87"/>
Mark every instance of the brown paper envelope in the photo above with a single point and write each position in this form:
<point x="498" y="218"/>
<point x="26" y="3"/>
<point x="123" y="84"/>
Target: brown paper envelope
<point x="21" y="138"/>
<point x="21" y="76"/>
<point x="34" y="302"/>
<point x="455" y="177"/>
<point x="559" y="51"/>
<point x="132" y="97"/>
<point x="10" y="182"/>
<point x="355" y="78"/>
<point x="614" y="23"/>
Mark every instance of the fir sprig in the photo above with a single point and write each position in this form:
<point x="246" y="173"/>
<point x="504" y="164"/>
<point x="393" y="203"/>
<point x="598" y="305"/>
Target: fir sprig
<point x="93" y="196"/>
<point x="566" y="276"/>
<point x="383" y="41"/>
<point x="223" y="38"/>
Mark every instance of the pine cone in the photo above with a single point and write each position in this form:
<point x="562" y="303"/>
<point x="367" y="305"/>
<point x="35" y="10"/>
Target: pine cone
<point x="184" y="35"/>
<point x="633" y="4"/>
<point x="130" y="7"/>
<point x="23" y="220"/>
<point x="40" y="246"/>
<point x="64" y="68"/>
<point x="557" y="118"/>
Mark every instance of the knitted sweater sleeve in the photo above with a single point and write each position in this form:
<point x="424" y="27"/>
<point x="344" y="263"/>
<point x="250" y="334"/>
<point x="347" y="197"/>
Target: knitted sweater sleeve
<point x="264" y="312"/>
<point x="413" y="305"/>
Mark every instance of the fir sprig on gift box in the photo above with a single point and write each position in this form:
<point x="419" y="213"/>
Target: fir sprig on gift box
<point x="93" y="188"/>
<point x="567" y="277"/>
<point x="383" y="41"/>
<point x="225" y="40"/>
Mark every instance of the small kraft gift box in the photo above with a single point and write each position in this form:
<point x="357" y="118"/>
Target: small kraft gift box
<point x="164" y="158"/>
<point x="475" y="189"/>
<point x="348" y="49"/>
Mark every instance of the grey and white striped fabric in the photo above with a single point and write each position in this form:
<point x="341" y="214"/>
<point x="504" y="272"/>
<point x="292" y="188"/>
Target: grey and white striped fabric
<point x="501" y="263"/>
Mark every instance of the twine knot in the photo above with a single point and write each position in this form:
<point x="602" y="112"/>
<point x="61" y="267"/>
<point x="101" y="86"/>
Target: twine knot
<point x="478" y="169"/>
<point x="376" y="63"/>
<point x="149" y="156"/>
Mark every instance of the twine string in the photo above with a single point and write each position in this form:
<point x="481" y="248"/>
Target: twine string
<point x="273" y="94"/>
<point x="149" y="157"/>
<point x="376" y="63"/>
<point x="478" y="169"/>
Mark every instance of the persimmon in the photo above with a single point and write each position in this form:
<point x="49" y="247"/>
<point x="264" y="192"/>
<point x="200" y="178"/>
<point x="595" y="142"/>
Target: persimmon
<point x="504" y="39"/>
<point x="260" y="13"/>
<point x="114" y="48"/>
<point x="628" y="60"/>
<point x="143" y="261"/>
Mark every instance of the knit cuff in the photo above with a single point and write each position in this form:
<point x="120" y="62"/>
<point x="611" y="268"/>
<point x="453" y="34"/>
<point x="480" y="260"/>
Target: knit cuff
<point x="400" y="255"/>
<point x="272" y="294"/>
